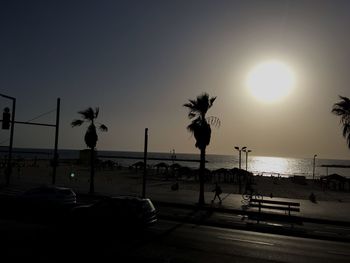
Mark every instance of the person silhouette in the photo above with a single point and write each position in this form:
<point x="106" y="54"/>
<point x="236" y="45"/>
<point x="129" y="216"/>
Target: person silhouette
<point x="217" y="192"/>
<point x="175" y="186"/>
<point x="312" y="197"/>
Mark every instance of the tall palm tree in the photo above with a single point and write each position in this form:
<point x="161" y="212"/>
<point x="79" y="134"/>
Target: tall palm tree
<point x="342" y="109"/>
<point x="90" y="115"/>
<point x="200" y="127"/>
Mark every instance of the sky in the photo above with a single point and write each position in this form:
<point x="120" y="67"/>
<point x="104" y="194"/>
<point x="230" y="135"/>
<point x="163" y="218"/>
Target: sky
<point x="140" y="61"/>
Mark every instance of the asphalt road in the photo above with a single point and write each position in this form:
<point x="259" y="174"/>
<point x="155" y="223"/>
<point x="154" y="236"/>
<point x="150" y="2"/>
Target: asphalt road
<point x="167" y="241"/>
<point x="242" y="222"/>
<point x="209" y="244"/>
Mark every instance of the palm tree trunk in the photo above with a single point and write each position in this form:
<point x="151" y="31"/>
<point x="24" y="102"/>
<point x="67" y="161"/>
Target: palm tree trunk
<point x="92" y="170"/>
<point x="201" y="178"/>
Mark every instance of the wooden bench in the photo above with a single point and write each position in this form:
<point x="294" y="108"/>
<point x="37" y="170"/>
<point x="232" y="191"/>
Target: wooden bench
<point x="274" y="205"/>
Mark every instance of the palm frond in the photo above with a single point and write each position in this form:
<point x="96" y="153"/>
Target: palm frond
<point x="193" y="125"/>
<point x="346" y="100"/>
<point x="200" y="106"/>
<point x="200" y="125"/>
<point x="203" y="97"/>
<point x="214" y="121"/>
<point x="346" y="129"/>
<point x="342" y="106"/>
<point x="188" y="105"/>
<point x="103" y="128"/>
<point x="193" y="112"/>
<point x="191" y="115"/>
<point x="203" y="103"/>
<point x="87" y="114"/>
<point x="193" y="102"/>
<point x="342" y="109"/>
<point x="97" y="110"/>
<point x="211" y="101"/>
<point x="75" y="123"/>
<point x="338" y="111"/>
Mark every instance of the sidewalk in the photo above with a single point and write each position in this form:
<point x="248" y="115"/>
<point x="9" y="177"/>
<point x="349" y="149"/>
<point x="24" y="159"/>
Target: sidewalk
<point x="338" y="212"/>
<point x="334" y="212"/>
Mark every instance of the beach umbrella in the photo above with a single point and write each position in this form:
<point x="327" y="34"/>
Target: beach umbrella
<point x="138" y="164"/>
<point x="175" y="166"/>
<point x="162" y="165"/>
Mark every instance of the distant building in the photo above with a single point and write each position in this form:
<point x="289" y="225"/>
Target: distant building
<point x="334" y="181"/>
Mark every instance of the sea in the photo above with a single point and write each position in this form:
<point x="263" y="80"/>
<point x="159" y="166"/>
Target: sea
<point x="262" y="165"/>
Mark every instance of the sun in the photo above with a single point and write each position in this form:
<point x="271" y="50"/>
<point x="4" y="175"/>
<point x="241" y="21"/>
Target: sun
<point x="270" y="81"/>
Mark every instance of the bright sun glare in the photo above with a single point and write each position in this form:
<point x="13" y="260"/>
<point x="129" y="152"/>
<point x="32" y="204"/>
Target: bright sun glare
<point x="270" y="81"/>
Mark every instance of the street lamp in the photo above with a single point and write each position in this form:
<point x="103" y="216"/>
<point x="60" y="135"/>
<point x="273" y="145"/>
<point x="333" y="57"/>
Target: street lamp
<point x="313" y="167"/>
<point x="246" y="158"/>
<point x="240" y="154"/>
<point x="9" y="160"/>
<point x="239" y="163"/>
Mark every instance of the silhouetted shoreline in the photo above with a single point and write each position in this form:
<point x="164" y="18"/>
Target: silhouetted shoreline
<point x="128" y="180"/>
<point x="267" y="166"/>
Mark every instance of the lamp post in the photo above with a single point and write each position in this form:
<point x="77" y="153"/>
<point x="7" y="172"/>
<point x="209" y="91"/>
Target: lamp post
<point x="313" y="167"/>
<point x="9" y="160"/>
<point x="246" y="158"/>
<point x="239" y="165"/>
<point x="240" y="154"/>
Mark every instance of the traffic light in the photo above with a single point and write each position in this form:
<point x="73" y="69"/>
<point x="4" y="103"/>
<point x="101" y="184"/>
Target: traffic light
<point x="6" y="116"/>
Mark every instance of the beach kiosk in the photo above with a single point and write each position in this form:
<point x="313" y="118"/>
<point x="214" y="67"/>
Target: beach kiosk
<point x="334" y="180"/>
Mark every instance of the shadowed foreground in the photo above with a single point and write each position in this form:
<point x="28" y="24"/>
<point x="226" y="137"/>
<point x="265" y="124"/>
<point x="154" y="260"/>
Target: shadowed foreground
<point x="166" y="242"/>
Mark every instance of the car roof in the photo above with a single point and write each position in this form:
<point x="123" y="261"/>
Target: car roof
<point x="53" y="187"/>
<point x="123" y="198"/>
<point x="126" y="197"/>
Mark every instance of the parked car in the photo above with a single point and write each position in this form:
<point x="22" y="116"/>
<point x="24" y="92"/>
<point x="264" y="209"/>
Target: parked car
<point x="50" y="195"/>
<point x="120" y="212"/>
<point x="46" y="203"/>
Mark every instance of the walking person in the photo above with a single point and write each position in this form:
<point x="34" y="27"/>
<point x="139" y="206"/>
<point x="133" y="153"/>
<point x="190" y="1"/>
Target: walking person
<point x="217" y="190"/>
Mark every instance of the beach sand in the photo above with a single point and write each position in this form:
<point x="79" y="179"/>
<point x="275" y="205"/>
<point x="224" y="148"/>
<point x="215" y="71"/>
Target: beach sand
<point x="129" y="181"/>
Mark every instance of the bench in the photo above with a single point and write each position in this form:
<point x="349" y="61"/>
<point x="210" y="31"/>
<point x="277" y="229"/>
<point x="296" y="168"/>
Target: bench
<point x="274" y="205"/>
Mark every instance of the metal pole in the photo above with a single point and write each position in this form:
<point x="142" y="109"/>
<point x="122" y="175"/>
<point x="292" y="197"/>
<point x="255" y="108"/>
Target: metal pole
<point x="9" y="161"/>
<point x="246" y="158"/>
<point x="239" y="174"/>
<point x="239" y="165"/>
<point x="313" y="167"/>
<point x="145" y="165"/>
<point x="55" y="155"/>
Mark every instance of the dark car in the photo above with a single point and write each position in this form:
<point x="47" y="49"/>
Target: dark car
<point x="46" y="203"/>
<point x="50" y="195"/>
<point x="121" y="212"/>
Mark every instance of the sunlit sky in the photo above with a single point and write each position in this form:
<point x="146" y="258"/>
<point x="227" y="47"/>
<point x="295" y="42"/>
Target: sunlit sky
<point x="140" y="61"/>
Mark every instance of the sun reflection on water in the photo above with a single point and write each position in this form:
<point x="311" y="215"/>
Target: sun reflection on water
<point x="271" y="165"/>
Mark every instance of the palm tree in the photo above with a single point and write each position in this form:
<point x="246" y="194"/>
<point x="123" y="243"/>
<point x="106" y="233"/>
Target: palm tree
<point x="90" y="115"/>
<point x="200" y="127"/>
<point x="342" y="109"/>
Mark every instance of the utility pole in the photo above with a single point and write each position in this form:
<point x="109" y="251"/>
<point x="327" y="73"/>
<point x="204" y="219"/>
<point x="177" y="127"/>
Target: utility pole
<point x="8" y="170"/>
<point x="55" y="155"/>
<point x="145" y="164"/>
